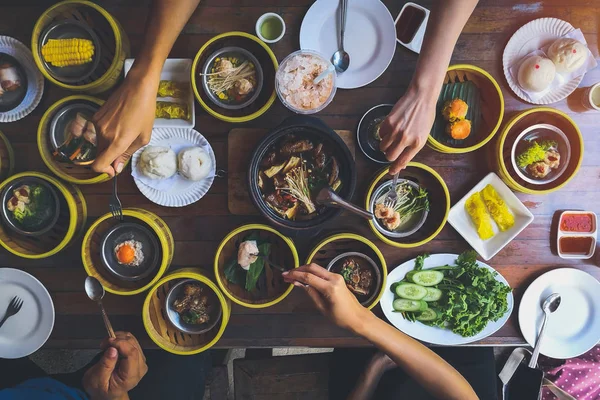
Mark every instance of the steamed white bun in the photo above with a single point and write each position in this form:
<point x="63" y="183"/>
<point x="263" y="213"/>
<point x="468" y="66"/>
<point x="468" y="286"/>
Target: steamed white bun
<point x="536" y="73"/>
<point x="567" y="54"/>
<point x="157" y="162"/>
<point x="194" y="163"/>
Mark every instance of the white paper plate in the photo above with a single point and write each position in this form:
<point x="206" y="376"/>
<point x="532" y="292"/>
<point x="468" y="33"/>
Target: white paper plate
<point x="35" y="80"/>
<point x="461" y="221"/>
<point x="574" y="328"/>
<point x="28" y="330"/>
<point x="530" y="37"/>
<point x="370" y="38"/>
<point x="183" y="191"/>
<point x="427" y="333"/>
<point x="179" y="70"/>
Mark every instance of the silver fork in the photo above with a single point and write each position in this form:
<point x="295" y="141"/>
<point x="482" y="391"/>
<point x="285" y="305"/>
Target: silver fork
<point x="13" y="307"/>
<point x="392" y="195"/>
<point x="116" y="208"/>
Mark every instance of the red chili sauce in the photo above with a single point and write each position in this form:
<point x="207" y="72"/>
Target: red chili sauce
<point x="409" y="23"/>
<point x="577" y="223"/>
<point x="575" y="244"/>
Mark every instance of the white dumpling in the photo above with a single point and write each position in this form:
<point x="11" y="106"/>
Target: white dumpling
<point x="536" y="73"/>
<point x="567" y="54"/>
<point x="157" y="162"/>
<point x="194" y="163"/>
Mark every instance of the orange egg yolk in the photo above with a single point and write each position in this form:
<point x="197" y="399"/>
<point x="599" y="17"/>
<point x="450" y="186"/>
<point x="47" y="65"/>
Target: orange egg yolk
<point x="126" y="254"/>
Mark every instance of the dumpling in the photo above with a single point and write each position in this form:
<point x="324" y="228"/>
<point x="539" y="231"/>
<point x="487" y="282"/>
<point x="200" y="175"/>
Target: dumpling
<point x="243" y="86"/>
<point x="567" y="54"/>
<point x="157" y="162"/>
<point x="536" y="73"/>
<point x="194" y="163"/>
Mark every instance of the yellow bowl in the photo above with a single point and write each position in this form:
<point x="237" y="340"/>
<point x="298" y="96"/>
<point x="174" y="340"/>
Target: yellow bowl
<point x="439" y="204"/>
<point x="340" y="243"/>
<point x="492" y="108"/>
<point x="518" y="124"/>
<point x="70" y="223"/>
<point x="90" y="251"/>
<point x="283" y="252"/>
<point x="78" y="174"/>
<point x="161" y="330"/>
<point x="269" y="65"/>
<point x="115" y="43"/>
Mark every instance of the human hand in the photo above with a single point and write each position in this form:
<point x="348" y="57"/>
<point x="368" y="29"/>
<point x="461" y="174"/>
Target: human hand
<point x="112" y="377"/>
<point x="405" y="130"/>
<point x="329" y="293"/>
<point x="124" y="122"/>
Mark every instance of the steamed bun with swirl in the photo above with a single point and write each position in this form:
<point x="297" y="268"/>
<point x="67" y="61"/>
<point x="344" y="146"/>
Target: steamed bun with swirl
<point x="194" y="163"/>
<point x="567" y="54"/>
<point x="536" y="73"/>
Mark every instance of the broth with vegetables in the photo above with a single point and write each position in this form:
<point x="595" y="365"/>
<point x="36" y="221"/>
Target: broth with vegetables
<point x="292" y="173"/>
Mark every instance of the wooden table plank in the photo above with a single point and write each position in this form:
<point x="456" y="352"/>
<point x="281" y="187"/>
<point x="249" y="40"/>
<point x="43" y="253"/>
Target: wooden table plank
<point x="198" y="228"/>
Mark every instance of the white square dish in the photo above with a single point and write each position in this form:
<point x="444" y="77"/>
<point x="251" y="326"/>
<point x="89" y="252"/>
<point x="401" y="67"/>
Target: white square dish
<point x="174" y="69"/>
<point x="461" y="221"/>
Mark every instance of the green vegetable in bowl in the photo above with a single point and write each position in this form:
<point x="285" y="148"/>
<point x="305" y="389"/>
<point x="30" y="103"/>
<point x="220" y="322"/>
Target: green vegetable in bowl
<point x="31" y="207"/>
<point x="535" y="152"/>
<point x="248" y="275"/>
<point x="464" y="299"/>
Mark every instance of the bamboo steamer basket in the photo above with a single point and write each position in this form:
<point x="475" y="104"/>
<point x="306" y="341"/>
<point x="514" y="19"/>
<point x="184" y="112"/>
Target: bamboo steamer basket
<point x="7" y="157"/>
<point x="335" y="245"/>
<point x="90" y="251"/>
<point x="283" y="252"/>
<point x="439" y="204"/>
<point x="492" y="108"/>
<point x="115" y="43"/>
<point x="162" y="331"/>
<point x="520" y="122"/>
<point x="78" y="174"/>
<point x="70" y="224"/>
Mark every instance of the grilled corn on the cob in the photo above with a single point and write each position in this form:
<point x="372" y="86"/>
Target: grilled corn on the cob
<point x="68" y="52"/>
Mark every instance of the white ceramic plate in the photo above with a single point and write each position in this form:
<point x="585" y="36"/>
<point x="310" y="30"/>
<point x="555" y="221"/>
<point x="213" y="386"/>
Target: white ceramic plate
<point x="530" y="37"/>
<point x="574" y="328"/>
<point x="427" y="333"/>
<point x="461" y="221"/>
<point x="28" y="330"/>
<point x="370" y="38"/>
<point x="178" y="192"/>
<point x="35" y="80"/>
<point x="179" y="70"/>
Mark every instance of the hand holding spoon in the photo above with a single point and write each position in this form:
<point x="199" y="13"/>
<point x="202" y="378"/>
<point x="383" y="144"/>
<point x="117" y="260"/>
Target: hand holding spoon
<point x="95" y="292"/>
<point x="550" y="305"/>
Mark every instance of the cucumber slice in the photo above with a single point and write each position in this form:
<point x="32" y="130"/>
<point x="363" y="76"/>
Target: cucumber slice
<point x="409" y="305"/>
<point x="433" y="294"/>
<point x="410" y="274"/>
<point x="428" y="315"/>
<point x="411" y="291"/>
<point x="427" y="278"/>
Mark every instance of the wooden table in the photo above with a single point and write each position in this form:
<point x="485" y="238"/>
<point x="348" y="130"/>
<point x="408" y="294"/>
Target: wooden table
<point x="198" y="228"/>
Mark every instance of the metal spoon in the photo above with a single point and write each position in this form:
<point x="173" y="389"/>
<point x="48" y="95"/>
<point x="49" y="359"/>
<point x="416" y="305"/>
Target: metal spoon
<point x="550" y="305"/>
<point x="328" y="197"/>
<point x="341" y="59"/>
<point x="95" y="292"/>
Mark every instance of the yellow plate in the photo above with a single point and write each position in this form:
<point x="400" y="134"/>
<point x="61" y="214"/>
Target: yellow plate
<point x="251" y="227"/>
<point x="391" y="242"/>
<point x="353" y="236"/>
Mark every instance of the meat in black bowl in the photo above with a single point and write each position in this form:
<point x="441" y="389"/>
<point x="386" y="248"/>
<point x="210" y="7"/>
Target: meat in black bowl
<point x="361" y="274"/>
<point x="292" y="164"/>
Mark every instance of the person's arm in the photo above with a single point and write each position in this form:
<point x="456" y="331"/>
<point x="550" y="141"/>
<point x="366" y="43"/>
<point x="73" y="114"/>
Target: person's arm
<point x="407" y="127"/>
<point x="331" y="296"/>
<point x="124" y="122"/>
<point x="369" y="380"/>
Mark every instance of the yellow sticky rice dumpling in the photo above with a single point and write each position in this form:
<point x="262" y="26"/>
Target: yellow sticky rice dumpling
<point x="497" y="208"/>
<point x="476" y="210"/>
<point x="168" y="110"/>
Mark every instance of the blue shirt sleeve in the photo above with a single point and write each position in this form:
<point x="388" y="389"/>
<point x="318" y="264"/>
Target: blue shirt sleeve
<point x="42" y="389"/>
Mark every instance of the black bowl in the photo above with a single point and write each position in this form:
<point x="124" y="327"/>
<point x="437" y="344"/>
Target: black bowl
<point x="311" y="128"/>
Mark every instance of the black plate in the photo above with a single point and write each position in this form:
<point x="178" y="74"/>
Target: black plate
<point x="130" y="231"/>
<point x="364" y="133"/>
<point x="10" y="99"/>
<point x="311" y="128"/>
